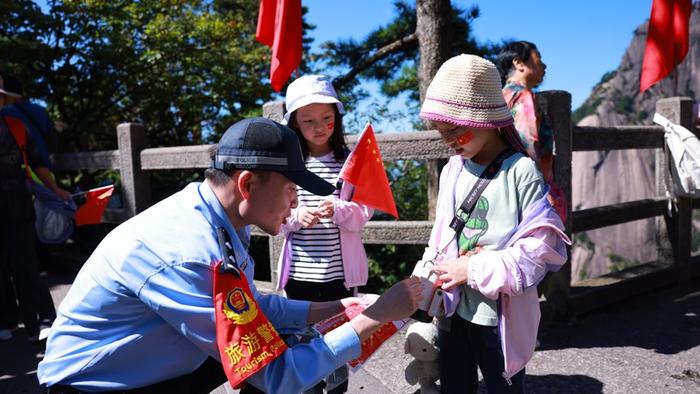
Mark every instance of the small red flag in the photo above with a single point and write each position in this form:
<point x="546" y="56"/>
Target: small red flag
<point x="280" y="27"/>
<point x="95" y="203"/>
<point x="370" y="345"/>
<point x="364" y="169"/>
<point x="667" y="40"/>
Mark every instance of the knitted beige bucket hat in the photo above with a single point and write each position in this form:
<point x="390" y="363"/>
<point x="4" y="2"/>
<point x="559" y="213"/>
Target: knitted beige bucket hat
<point x="466" y="91"/>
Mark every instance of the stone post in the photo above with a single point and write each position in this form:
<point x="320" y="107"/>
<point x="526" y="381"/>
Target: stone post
<point x="274" y="110"/>
<point x="433" y="166"/>
<point x="555" y="106"/>
<point x="678" y="110"/>
<point x="136" y="186"/>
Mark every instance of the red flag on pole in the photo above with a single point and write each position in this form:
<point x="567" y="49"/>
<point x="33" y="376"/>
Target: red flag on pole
<point x="279" y="27"/>
<point x="364" y="169"/>
<point x="667" y="40"/>
<point x="95" y="203"/>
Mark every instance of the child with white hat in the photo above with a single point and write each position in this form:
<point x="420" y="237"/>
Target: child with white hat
<point x="323" y="258"/>
<point x="495" y="234"/>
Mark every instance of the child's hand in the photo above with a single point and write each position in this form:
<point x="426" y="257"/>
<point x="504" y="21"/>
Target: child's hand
<point x="307" y="216"/>
<point x="326" y="209"/>
<point x="470" y="252"/>
<point x="453" y="272"/>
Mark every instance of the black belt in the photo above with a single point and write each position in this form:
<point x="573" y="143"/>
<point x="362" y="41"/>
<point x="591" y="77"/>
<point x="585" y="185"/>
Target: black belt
<point x="61" y="389"/>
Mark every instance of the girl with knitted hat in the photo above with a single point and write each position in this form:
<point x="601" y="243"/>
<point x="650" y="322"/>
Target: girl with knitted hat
<point x="495" y="234"/>
<point x="322" y="258"/>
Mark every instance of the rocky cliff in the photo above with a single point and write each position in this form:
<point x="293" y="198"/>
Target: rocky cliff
<point x="607" y="177"/>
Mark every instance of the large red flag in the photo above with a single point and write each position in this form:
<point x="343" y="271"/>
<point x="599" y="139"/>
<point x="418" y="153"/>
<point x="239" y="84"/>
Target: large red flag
<point x="95" y="203"/>
<point x="667" y="40"/>
<point x="364" y="169"/>
<point x="279" y="27"/>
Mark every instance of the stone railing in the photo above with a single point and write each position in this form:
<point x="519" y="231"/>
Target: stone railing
<point x="135" y="160"/>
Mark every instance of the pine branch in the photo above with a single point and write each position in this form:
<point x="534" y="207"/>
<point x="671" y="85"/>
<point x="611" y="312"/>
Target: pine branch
<point x="380" y="54"/>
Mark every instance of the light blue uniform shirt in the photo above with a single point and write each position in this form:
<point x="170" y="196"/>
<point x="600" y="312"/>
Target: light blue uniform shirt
<point x="140" y="310"/>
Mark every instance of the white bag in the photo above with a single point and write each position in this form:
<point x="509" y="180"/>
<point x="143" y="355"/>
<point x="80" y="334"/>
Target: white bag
<point x="52" y="226"/>
<point x="684" y="148"/>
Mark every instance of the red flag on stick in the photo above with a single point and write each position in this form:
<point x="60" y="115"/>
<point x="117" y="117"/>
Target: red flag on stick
<point x="279" y="27"/>
<point x="95" y="203"/>
<point x="364" y="169"/>
<point x="667" y="40"/>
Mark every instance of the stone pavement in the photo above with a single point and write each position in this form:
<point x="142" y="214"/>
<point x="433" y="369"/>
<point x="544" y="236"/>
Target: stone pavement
<point x="650" y="344"/>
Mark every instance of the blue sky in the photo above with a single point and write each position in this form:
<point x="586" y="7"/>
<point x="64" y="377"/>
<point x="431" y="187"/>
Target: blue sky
<point x="579" y="40"/>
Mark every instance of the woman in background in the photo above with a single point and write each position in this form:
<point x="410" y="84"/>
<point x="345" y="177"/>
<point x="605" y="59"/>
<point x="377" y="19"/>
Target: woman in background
<point x="522" y="69"/>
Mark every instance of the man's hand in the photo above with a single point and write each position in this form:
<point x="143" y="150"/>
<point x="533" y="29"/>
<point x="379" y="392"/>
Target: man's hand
<point x="307" y="216"/>
<point x="323" y="310"/>
<point x="350" y="301"/>
<point x="399" y="302"/>
<point x="63" y="194"/>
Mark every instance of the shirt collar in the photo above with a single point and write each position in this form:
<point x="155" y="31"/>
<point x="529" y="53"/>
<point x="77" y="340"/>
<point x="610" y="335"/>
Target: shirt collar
<point x="240" y="239"/>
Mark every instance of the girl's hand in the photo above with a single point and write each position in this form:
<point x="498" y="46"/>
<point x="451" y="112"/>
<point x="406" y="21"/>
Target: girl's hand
<point x="326" y="209"/>
<point x="453" y="272"/>
<point x="307" y="216"/>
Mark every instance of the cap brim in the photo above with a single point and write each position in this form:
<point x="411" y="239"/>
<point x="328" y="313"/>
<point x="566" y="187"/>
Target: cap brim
<point x="313" y="99"/>
<point x="5" y="92"/>
<point x="310" y="182"/>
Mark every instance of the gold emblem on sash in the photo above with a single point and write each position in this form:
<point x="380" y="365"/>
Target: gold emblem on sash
<point x="239" y="308"/>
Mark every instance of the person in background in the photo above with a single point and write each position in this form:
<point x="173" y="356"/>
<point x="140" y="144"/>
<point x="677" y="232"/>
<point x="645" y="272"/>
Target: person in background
<point x="492" y="241"/>
<point x="35" y="118"/>
<point x="17" y="234"/>
<point x="322" y="258"/>
<point x="140" y="315"/>
<point x="522" y="69"/>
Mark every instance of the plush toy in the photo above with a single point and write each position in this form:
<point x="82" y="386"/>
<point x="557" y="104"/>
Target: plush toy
<point x="421" y="343"/>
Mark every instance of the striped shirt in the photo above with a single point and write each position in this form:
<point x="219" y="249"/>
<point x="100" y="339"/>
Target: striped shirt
<point x="316" y="255"/>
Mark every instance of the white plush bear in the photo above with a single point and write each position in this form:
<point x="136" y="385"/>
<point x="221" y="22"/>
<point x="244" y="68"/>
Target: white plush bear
<point x="421" y="343"/>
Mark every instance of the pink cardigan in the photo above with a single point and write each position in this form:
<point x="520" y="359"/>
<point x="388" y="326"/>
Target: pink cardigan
<point x="350" y="217"/>
<point x="510" y="273"/>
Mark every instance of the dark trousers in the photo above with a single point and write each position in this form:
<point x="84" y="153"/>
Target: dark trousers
<point x="9" y="313"/>
<point x="319" y="292"/>
<point x="204" y="379"/>
<point x="465" y="348"/>
<point x="19" y="259"/>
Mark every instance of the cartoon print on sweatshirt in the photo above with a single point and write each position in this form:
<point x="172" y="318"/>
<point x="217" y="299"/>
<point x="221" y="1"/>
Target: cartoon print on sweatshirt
<point x="476" y="226"/>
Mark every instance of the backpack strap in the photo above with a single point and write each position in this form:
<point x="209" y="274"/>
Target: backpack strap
<point x="31" y="120"/>
<point x="19" y="133"/>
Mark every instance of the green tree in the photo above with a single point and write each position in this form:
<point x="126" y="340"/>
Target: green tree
<point x="390" y="53"/>
<point x="391" y="56"/>
<point x="183" y="68"/>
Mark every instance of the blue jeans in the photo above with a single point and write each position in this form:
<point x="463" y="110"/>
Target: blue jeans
<point x="465" y="348"/>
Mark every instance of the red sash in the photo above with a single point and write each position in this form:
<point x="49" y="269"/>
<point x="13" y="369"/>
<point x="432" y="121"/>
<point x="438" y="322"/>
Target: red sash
<point x="246" y="340"/>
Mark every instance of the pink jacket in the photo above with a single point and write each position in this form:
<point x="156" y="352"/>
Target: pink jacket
<point x="509" y="274"/>
<point x="350" y="217"/>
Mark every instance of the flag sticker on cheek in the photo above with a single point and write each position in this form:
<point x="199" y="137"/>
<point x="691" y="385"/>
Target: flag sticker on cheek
<point x="329" y="126"/>
<point x="465" y="138"/>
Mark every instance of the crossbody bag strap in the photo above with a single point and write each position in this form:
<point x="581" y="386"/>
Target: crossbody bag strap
<point x="19" y="133"/>
<point x="31" y="119"/>
<point x="472" y="197"/>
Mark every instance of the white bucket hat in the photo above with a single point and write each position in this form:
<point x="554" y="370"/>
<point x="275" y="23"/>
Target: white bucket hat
<point x="310" y="89"/>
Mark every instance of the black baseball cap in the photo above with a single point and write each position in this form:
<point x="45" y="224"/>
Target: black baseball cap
<point x="263" y="144"/>
<point x="10" y="86"/>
